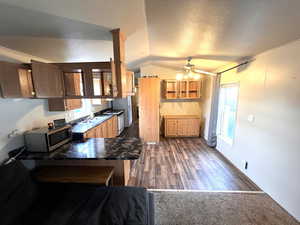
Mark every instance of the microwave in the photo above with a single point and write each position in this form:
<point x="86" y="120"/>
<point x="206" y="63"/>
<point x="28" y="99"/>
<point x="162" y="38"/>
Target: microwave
<point x="47" y="140"/>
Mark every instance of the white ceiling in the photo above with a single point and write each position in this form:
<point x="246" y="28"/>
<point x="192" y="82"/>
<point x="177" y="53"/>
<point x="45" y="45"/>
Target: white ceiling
<point x="214" y="32"/>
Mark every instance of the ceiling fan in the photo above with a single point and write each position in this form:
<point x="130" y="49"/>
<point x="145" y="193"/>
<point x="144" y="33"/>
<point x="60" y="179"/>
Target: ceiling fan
<point x="192" y="72"/>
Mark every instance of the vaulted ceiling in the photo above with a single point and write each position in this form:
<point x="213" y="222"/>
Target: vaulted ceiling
<point x="213" y="32"/>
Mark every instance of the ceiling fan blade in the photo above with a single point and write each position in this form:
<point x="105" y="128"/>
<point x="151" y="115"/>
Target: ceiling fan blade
<point x="205" y="72"/>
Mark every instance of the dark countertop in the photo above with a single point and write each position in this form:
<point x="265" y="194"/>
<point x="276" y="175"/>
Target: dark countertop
<point x="83" y="127"/>
<point x="92" y="149"/>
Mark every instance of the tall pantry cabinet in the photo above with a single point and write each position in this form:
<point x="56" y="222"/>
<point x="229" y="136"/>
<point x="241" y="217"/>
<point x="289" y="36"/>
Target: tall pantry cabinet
<point x="149" y="99"/>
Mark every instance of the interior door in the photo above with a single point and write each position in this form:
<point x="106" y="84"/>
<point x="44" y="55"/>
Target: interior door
<point x="47" y="80"/>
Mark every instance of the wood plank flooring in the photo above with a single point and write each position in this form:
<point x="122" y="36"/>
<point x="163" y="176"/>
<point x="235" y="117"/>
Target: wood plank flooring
<point x="185" y="163"/>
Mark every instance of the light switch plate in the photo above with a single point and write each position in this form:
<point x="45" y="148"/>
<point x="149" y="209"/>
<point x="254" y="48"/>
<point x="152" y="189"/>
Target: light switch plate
<point x="251" y="118"/>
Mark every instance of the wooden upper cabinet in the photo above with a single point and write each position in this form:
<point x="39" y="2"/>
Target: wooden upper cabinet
<point x="103" y="80"/>
<point x="170" y="89"/>
<point x="47" y="80"/>
<point x="183" y="89"/>
<point x="119" y="59"/>
<point x="15" y="81"/>
<point x="60" y="104"/>
<point x="194" y="89"/>
<point x="73" y="84"/>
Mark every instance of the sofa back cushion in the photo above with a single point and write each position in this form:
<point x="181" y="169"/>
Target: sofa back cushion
<point x="17" y="192"/>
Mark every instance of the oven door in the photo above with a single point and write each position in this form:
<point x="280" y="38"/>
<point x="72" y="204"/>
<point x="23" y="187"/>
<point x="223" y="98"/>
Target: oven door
<point x="59" y="138"/>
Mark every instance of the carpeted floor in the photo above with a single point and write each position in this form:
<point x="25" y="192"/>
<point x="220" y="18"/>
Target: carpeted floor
<point x="218" y="208"/>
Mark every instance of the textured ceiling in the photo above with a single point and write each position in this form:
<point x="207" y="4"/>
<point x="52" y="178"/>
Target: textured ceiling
<point x="214" y="32"/>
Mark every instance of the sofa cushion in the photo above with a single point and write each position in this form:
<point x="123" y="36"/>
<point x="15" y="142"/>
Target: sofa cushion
<point x="89" y="205"/>
<point x="17" y="190"/>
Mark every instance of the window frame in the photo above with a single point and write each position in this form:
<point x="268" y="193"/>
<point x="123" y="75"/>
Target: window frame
<point x="221" y="114"/>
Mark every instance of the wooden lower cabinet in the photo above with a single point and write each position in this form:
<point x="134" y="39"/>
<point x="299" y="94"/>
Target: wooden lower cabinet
<point x="181" y="126"/>
<point x="107" y="129"/>
<point x="91" y="133"/>
<point x="171" y="127"/>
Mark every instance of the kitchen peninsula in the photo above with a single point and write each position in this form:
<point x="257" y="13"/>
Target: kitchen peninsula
<point x="115" y="152"/>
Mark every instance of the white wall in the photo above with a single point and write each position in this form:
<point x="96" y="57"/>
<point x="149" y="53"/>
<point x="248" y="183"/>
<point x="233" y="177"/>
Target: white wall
<point x="270" y="90"/>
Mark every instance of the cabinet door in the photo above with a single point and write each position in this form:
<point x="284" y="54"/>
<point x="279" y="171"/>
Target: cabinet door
<point x="171" y="89"/>
<point x="9" y="80"/>
<point x="194" y="89"/>
<point x="72" y="104"/>
<point x="105" y="129"/>
<point x="47" y="80"/>
<point x="73" y="84"/>
<point x="91" y="133"/>
<point x="171" y="126"/>
<point x="115" y="126"/>
<point x="129" y="82"/>
<point x="97" y="82"/>
<point x="183" y="127"/>
<point x="110" y="133"/>
<point x="114" y="78"/>
<point x="26" y="85"/>
<point x="15" y="82"/>
<point x="107" y="83"/>
<point x="193" y="127"/>
<point x="99" y="131"/>
<point x="183" y="89"/>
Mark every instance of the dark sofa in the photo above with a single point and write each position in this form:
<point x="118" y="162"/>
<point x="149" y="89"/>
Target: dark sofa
<point x="26" y="202"/>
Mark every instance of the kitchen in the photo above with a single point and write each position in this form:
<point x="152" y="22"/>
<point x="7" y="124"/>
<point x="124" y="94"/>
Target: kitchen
<point x="84" y="91"/>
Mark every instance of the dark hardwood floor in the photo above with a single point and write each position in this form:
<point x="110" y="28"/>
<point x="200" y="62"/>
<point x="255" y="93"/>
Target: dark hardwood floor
<point x="185" y="163"/>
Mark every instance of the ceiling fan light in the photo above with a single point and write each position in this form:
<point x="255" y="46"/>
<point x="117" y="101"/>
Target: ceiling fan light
<point x="179" y="76"/>
<point x="197" y="76"/>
